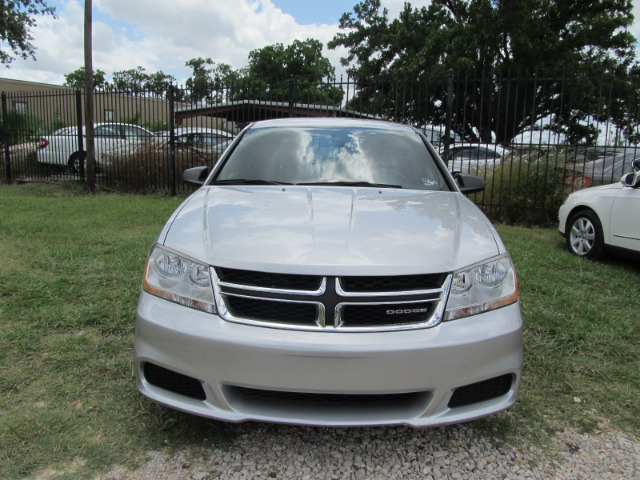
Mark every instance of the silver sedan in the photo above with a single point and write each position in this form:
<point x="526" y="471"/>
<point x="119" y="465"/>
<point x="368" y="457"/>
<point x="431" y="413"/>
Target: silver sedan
<point x="330" y="272"/>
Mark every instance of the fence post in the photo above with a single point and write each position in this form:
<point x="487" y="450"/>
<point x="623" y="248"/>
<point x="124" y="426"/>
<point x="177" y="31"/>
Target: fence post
<point x="172" y="143"/>
<point x="291" y="98"/>
<point x="5" y="136"/>
<point x="447" y="122"/>
<point x="80" y="135"/>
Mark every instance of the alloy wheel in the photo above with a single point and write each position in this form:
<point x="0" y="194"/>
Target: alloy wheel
<point x="582" y="237"/>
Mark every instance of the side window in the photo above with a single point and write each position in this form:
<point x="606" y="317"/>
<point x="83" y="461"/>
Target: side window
<point x="65" y="131"/>
<point x="466" y="154"/>
<point x="182" y="140"/>
<point x="475" y="153"/>
<point x="454" y="153"/>
<point x="107" y="131"/>
<point x="131" y="131"/>
<point x="488" y="154"/>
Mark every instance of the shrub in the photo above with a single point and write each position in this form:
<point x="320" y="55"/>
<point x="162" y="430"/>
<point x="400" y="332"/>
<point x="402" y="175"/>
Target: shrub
<point x="525" y="190"/>
<point x="22" y="127"/>
<point x="148" y="168"/>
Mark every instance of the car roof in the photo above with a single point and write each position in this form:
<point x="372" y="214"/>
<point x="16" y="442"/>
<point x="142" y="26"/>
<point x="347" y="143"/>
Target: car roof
<point x="489" y="146"/>
<point x="188" y="130"/>
<point x="74" y="128"/>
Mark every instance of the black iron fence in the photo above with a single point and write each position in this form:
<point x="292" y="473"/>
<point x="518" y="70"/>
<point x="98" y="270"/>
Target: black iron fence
<point x="533" y="138"/>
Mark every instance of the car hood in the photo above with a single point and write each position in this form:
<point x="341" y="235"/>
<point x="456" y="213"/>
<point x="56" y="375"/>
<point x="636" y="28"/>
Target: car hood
<point x="594" y="191"/>
<point x="330" y="230"/>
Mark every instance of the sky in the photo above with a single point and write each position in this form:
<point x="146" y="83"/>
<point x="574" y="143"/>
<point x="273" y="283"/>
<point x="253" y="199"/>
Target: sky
<point x="161" y="35"/>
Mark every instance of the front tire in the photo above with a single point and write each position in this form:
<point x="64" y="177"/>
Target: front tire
<point x="584" y="235"/>
<point x="76" y="160"/>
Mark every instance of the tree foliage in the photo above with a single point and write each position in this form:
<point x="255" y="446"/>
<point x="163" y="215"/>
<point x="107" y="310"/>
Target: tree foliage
<point x="271" y="69"/>
<point x="136" y="81"/>
<point x="17" y="17"/>
<point x="207" y="79"/>
<point x="486" y="42"/>
<point x="270" y="74"/>
<point x="76" y="79"/>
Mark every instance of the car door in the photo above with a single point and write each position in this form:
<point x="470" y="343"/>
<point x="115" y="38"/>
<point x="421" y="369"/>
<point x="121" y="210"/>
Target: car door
<point x="134" y="137"/>
<point x="624" y="225"/>
<point x="107" y="140"/>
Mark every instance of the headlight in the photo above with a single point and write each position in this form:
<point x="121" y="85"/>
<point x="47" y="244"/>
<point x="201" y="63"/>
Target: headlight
<point x="482" y="288"/>
<point x="179" y="279"/>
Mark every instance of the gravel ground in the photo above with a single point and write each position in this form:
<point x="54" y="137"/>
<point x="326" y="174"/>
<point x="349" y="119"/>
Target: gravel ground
<point x="454" y="452"/>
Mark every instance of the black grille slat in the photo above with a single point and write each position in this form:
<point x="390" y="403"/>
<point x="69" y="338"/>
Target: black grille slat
<point x="481" y="391"/>
<point x="272" y="311"/>
<point x="270" y="280"/>
<point x="401" y="283"/>
<point x="173" y="381"/>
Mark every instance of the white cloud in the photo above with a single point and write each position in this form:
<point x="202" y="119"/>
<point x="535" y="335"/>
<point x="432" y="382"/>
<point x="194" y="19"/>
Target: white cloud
<point x="224" y="31"/>
<point x="160" y="35"/>
<point x="164" y="34"/>
<point x="635" y="28"/>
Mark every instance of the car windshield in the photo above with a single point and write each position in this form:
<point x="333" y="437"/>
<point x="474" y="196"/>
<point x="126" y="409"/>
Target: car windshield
<point x="326" y="155"/>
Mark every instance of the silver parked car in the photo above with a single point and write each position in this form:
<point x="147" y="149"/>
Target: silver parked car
<point x="607" y="169"/>
<point x="330" y="272"/>
<point x="203" y="143"/>
<point x="472" y="157"/>
<point x="61" y="148"/>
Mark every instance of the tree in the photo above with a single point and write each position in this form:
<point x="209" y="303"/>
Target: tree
<point x="200" y="83"/>
<point x="130" y="81"/>
<point x="270" y="69"/>
<point x="16" y="21"/>
<point x="136" y="81"/>
<point x="158" y="84"/>
<point x="268" y="76"/>
<point x="76" y="79"/>
<point x="486" y="41"/>
<point x="208" y="79"/>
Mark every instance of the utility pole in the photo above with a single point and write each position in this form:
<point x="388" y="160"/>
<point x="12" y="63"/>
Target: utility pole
<point x="88" y="98"/>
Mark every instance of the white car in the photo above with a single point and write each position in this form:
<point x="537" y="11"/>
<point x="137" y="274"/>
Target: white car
<point x="604" y="218"/>
<point x="469" y="157"/>
<point x="61" y="148"/>
<point x="330" y="272"/>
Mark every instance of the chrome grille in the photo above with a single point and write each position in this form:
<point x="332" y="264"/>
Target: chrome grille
<point x="310" y="302"/>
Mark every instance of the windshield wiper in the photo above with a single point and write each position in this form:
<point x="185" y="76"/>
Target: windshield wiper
<point x="351" y="184"/>
<point x="244" y="181"/>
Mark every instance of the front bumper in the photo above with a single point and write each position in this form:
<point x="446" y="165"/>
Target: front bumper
<point x="327" y="378"/>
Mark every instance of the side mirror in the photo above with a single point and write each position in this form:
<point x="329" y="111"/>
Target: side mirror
<point x="631" y="180"/>
<point x="636" y="165"/>
<point x="469" y="183"/>
<point x="195" y="175"/>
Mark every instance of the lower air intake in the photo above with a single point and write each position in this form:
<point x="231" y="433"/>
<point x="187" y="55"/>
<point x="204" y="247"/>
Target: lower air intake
<point x="481" y="391"/>
<point x="173" y="381"/>
<point x="325" y="408"/>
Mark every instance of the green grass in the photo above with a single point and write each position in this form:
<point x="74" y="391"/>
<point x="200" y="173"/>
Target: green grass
<point x="69" y="280"/>
<point x="582" y="334"/>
